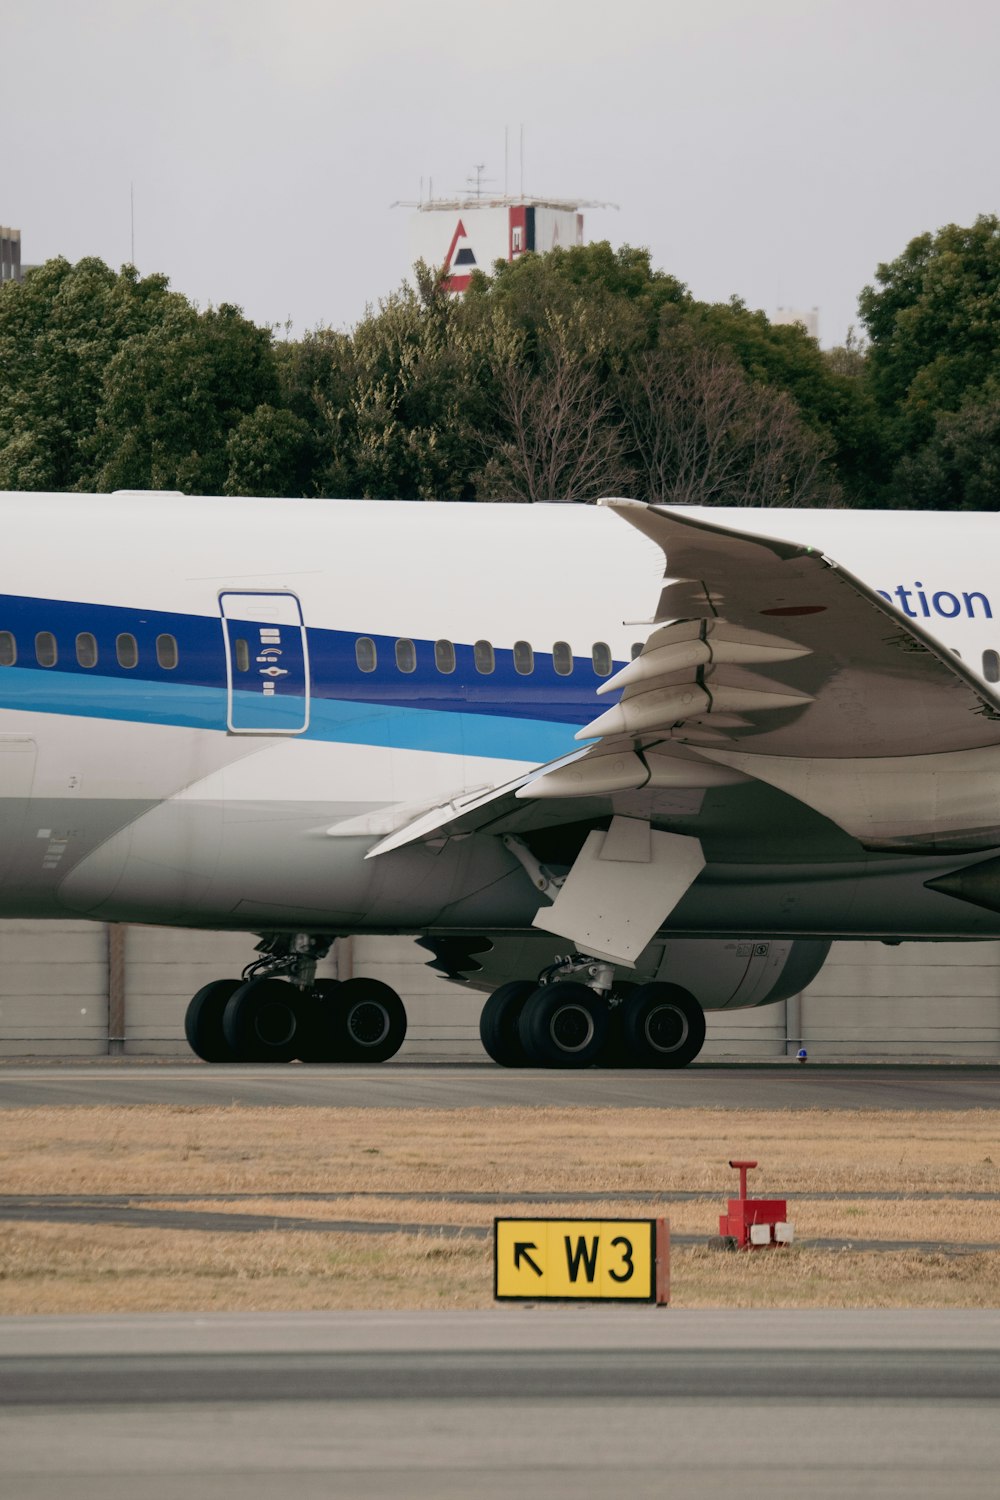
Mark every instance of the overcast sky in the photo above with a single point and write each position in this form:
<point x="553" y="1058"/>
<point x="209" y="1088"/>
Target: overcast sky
<point x="775" y="149"/>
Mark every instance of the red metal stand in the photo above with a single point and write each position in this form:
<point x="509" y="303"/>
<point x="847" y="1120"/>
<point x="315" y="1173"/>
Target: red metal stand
<point x="753" y="1223"/>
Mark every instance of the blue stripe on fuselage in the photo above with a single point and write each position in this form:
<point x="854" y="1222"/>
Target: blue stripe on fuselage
<point x="542" y="695"/>
<point x="190" y="706"/>
<point x="505" y="713"/>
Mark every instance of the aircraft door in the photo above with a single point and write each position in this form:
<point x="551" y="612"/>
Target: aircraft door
<point x="267" y="663"/>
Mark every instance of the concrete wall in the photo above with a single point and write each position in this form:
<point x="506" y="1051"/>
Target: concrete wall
<point x="914" y="1000"/>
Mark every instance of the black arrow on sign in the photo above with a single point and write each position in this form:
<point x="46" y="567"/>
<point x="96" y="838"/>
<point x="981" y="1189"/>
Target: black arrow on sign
<point x="521" y="1248"/>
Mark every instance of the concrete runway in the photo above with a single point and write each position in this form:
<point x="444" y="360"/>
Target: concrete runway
<point x="406" y="1085"/>
<point x="582" y="1402"/>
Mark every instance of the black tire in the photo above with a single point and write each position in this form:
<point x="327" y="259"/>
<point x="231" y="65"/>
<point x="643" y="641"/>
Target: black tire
<point x="318" y="1035"/>
<point x="663" y="1026"/>
<point x="498" y="1023"/>
<point x="563" y="1025"/>
<point x="263" y="1021"/>
<point x="369" y="1021"/>
<point x="203" y="1021"/>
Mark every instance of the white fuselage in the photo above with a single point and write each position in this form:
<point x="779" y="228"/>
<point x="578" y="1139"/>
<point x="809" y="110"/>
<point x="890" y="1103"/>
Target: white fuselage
<point x="128" y="792"/>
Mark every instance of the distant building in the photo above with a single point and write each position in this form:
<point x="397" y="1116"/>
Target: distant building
<point x="10" y="254"/>
<point x="469" y="234"/>
<point x="808" y="318"/>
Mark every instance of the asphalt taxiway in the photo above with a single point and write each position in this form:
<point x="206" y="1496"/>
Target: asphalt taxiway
<point x="414" y="1086"/>
<point x="577" y="1401"/>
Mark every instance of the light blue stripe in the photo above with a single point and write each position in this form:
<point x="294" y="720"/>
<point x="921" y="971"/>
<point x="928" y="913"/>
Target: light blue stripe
<point x="334" y="720"/>
<point x="34" y="690"/>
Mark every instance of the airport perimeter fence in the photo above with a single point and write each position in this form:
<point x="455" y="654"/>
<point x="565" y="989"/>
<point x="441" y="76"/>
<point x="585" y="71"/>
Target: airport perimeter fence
<point x="84" y="989"/>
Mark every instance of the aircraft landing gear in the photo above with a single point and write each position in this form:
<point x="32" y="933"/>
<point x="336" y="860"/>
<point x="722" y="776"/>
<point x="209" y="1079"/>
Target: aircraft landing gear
<point x="264" y="1021"/>
<point x="576" y="1016"/>
<point x="564" y="1025"/>
<point x="357" y="1021"/>
<point x="279" y="1011"/>
<point x="663" y="1026"/>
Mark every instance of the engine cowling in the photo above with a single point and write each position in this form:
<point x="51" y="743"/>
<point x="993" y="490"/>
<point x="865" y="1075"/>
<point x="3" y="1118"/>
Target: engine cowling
<point x="734" y="974"/>
<point x="721" y="973"/>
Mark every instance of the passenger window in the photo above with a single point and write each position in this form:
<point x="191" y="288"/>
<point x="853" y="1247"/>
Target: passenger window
<point x="406" y="656"/>
<point x="484" y="658"/>
<point x="444" y="656"/>
<point x="636" y="649"/>
<point x="991" y="666"/>
<point x="126" y="650"/>
<point x="166" y="652"/>
<point x="242" y="655"/>
<point x="524" y="658"/>
<point x="8" y="648"/>
<point x="86" y="649"/>
<point x="365" y="654"/>
<point x="46" y="650"/>
<point x="562" y="658"/>
<point x="601" y="657"/>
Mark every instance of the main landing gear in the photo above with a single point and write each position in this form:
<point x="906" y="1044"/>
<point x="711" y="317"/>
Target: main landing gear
<point x="575" y="1015"/>
<point x="279" y="1011"/>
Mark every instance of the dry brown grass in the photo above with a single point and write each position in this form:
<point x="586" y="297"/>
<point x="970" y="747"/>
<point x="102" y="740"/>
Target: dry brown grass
<point x="47" y="1269"/>
<point x="161" y="1150"/>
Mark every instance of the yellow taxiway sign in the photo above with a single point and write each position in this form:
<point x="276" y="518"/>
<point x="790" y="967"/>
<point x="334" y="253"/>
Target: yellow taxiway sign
<point x="581" y="1260"/>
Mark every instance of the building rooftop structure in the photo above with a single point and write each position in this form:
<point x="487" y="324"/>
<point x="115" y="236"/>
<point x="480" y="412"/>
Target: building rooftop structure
<point x="471" y="232"/>
<point x="10" y="254"/>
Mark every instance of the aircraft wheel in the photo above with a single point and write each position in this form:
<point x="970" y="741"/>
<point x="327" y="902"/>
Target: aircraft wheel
<point x="498" y="1023"/>
<point x="203" y="1021"/>
<point x="318" y="1037"/>
<point x="563" y="1025"/>
<point x="366" y="1022"/>
<point x="663" y="1026"/>
<point x="264" y="1021"/>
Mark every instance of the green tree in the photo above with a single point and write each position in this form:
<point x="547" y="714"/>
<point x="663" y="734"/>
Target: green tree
<point x="933" y="321"/>
<point x="958" y="466"/>
<point x="270" y="452"/>
<point x="59" y="330"/>
<point x="173" y="395"/>
<point x="395" y="407"/>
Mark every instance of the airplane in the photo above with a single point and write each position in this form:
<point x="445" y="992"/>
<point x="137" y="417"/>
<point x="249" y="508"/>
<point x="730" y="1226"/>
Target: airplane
<point x="613" y="765"/>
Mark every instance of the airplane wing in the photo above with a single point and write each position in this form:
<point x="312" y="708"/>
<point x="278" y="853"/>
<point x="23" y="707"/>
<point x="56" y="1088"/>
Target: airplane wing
<point x="772" y="662"/>
<point x="815" y="661"/>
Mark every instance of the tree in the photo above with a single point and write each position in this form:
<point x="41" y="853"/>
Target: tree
<point x="173" y="395"/>
<point x="621" y="308"/>
<point x="397" y="405"/>
<point x="833" y="403"/>
<point x="934" y="322"/>
<point x="559" y="434"/>
<point x="704" y="434"/>
<point x="849" y="358"/>
<point x="59" y="330"/>
<point x="958" y="467"/>
<point x="270" y="452"/>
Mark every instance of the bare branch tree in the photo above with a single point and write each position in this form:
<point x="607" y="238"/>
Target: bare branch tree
<point x="705" y="434"/>
<point x="561" y="437"/>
